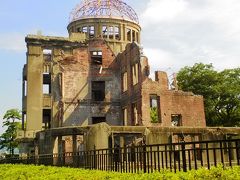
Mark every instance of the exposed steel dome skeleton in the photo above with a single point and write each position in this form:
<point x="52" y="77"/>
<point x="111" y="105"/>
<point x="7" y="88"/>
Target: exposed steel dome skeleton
<point x="103" y="9"/>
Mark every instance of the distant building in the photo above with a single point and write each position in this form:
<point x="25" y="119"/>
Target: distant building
<point x="99" y="74"/>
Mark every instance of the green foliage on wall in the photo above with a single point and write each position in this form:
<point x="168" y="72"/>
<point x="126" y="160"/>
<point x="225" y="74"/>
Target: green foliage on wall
<point x="154" y="115"/>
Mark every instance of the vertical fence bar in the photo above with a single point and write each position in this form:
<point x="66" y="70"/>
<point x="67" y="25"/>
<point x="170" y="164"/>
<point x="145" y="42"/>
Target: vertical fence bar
<point x="201" y="153"/>
<point x="184" y="157"/>
<point x="147" y="164"/>
<point x="151" y="159"/>
<point x="144" y="159"/>
<point x="189" y="160"/>
<point x="170" y="157"/>
<point x="166" y="158"/>
<point x="137" y="158"/>
<point x="214" y="156"/>
<point x="237" y="151"/>
<point x="174" y="158"/>
<point x="158" y="158"/>
<point x="195" y="155"/>
<point x="221" y="152"/>
<point x="230" y="153"/>
<point x="154" y="160"/>
<point x="208" y="162"/>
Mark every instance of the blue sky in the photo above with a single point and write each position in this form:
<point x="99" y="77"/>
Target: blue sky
<point x="175" y="33"/>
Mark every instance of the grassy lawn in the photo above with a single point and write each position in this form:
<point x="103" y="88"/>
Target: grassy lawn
<point x="13" y="172"/>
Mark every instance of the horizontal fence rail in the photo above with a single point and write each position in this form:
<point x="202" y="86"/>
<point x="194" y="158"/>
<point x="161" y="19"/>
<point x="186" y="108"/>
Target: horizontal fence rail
<point x="145" y="158"/>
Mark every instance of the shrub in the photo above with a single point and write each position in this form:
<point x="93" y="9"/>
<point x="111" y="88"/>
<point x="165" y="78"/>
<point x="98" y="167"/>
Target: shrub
<point x="31" y="172"/>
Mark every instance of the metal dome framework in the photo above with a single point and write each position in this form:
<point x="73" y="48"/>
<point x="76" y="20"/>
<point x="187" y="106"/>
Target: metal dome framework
<point x="104" y="9"/>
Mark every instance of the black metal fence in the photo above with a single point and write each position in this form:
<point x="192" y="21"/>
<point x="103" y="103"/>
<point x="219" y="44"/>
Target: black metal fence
<point x="146" y="158"/>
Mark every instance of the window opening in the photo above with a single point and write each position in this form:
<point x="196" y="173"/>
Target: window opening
<point x="111" y="32"/>
<point x="96" y="57"/>
<point x="135" y="74"/>
<point x="137" y="36"/>
<point x="134" y="114"/>
<point x="124" y="82"/>
<point x="46" y="83"/>
<point x="96" y="120"/>
<point x="79" y="29"/>
<point x="84" y="29"/>
<point x="25" y="87"/>
<point x="104" y="31"/>
<point x="47" y="51"/>
<point x="117" y="33"/>
<point x="128" y="34"/>
<point x="176" y="119"/>
<point x="133" y="36"/>
<point x="46" y="118"/>
<point x="91" y="31"/>
<point x="125" y="117"/>
<point x="47" y="54"/>
<point x="98" y="90"/>
<point x="24" y="117"/>
<point x="154" y="108"/>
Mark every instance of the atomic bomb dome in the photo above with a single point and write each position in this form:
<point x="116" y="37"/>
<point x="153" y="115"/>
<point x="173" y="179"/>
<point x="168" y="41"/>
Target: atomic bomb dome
<point x="103" y="9"/>
<point x="92" y="91"/>
<point x="113" y="20"/>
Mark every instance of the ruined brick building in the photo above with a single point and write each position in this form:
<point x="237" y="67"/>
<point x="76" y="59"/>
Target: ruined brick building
<point x="99" y="74"/>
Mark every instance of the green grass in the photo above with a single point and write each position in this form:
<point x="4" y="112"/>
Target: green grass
<point x="29" y="172"/>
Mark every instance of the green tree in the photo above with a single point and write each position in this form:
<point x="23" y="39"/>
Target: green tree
<point x="11" y="122"/>
<point x="221" y="92"/>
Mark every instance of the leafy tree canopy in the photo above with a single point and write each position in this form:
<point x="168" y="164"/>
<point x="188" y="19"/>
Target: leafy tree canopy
<point x="11" y="122"/>
<point x="221" y="92"/>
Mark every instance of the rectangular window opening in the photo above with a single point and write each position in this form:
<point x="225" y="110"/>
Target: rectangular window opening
<point x="176" y="119"/>
<point x="128" y="34"/>
<point x="91" y="31"/>
<point x="96" y="120"/>
<point x="104" y="31"/>
<point x="98" y="90"/>
<point x="79" y="29"/>
<point x="47" y="55"/>
<point x="117" y="33"/>
<point x="124" y="82"/>
<point x="125" y="117"/>
<point x="137" y="36"/>
<point x="46" y="118"/>
<point x="84" y="29"/>
<point x="155" y="108"/>
<point x="133" y="36"/>
<point x="47" y="51"/>
<point x="24" y="118"/>
<point x="111" y="32"/>
<point x="135" y="74"/>
<point x="46" y="83"/>
<point x="135" y="114"/>
<point x="25" y="88"/>
<point x="96" y="57"/>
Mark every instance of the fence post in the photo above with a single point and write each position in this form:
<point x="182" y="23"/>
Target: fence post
<point x="184" y="157"/>
<point x="144" y="158"/>
<point x="94" y="158"/>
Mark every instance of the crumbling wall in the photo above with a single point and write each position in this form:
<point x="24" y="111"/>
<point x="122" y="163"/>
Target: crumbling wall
<point x="73" y="86"/>
<point x="189" y="106"/>
<point x="136" y="96"/>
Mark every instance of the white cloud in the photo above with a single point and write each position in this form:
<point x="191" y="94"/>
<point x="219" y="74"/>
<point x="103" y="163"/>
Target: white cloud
<point x="12" y="42"/>
<point x="163" y="10"/>
<point x="182" y="32"/>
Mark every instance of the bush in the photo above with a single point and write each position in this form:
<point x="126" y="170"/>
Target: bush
<point x="29" y="172"/>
